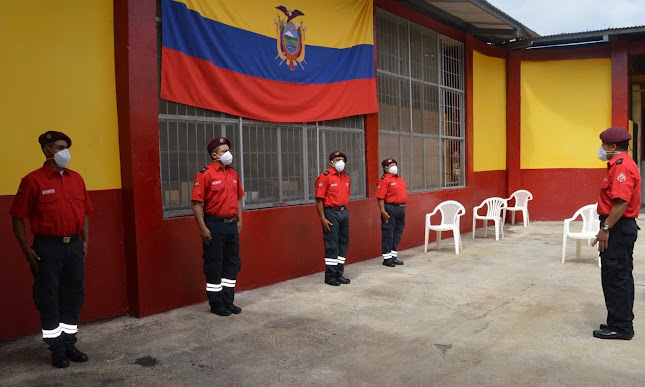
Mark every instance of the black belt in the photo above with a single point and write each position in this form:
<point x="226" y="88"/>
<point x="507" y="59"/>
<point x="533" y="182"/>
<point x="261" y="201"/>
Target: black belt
<point x="340" y="208"/>
<point x="66" y="239"/>
<point x="219" y="219"/>
<point x="396" y="204"/>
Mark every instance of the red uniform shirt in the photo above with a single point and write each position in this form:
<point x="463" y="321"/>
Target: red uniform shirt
<point x="333" y="187"/>
<point x="392" y="189"/>
<point x="54" y="203"/>
<point x="623" y="181"/>
<point x="219" y="189"/>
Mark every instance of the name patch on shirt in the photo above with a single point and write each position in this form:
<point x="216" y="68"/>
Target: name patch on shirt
<point x="234" y="181"/>
<point x="216" y="182"/>
<point x="48" y="191"/>
<point x="391" y="184"/>
<point x="333" y="184"/>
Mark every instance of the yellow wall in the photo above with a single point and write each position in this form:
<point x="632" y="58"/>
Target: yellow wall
<point x="565" y="106"/>
<point x="489" y="113"/>
<point x="57" y="73"/>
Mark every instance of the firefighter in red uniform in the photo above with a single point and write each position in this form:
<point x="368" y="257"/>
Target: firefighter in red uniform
<point x="55" y="201"/>
<point x="618" y="206"/>
<point x="219" y="189"/>
<point x="332" y="195"/>
<point x="392" y="195"/>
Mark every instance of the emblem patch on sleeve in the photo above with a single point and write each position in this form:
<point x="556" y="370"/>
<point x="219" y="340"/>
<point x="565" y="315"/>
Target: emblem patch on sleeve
<point x="621" y="177"/>
<point x="196" y="184"/>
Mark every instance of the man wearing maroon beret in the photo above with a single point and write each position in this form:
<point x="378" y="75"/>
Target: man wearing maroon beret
<point x="55" y="201"/>
<point x="218" y="188"/>
<point x="392" y="196"/>
<point x="618" y="207"/>
<point x="332" y="196"/>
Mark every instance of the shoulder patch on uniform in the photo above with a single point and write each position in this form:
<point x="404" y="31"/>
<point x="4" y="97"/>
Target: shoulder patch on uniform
<point x="621" y="177"/>
<point x="619" y="161"/>
<point x="326" y="173"/>
<point x="204" y="169"/>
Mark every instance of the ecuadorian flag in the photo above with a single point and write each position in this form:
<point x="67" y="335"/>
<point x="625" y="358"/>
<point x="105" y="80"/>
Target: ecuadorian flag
<point x="303" y="61"/>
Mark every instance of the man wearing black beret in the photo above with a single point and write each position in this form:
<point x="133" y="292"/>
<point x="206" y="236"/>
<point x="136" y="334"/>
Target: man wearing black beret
<point x="332" y="196"/>
<point x="218" y="188"/>
<point x="618" y="206"/>
<point x="55" y="201"/>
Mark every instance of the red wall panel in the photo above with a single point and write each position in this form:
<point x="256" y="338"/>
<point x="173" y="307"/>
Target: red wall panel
<point x="105" y="290"/>
<point x="558" y="193"/>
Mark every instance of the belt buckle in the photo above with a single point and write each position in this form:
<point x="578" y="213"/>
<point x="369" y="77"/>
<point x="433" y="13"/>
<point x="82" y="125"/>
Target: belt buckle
<point x="342" y="208"/>
<point x="67" y="239"/>
<point x="229" y="220"/>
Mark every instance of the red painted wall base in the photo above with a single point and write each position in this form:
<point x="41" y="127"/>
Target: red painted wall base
<point x="276" y="244"/>
<point x="558" y="193"/>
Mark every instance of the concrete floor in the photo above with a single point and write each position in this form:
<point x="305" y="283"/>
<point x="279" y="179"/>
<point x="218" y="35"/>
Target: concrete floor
<point x="504" y="313"/>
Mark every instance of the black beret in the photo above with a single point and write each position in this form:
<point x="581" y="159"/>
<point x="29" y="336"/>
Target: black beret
<point x="53" y="136"/>
<point x="217" y="142"/>
<point x="387" y="162"/>
<point x="335" y="154"/>
<point x="615" y="135"/>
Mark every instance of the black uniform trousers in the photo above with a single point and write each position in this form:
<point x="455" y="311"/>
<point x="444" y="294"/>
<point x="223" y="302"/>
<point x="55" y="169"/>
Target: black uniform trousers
<point x="58" y="288"/>
<point x="221" y="260"/>
<point x="616" y="272"/>
<point x="392" y="231"/>
<point x="336" y="241"/>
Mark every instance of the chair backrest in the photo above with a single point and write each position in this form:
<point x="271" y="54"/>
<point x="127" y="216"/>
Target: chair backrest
<point x="494" y="206"/>
<point x="521" y="196"/>
<point x="590" y="221"/>
<point x="450" y="212"/>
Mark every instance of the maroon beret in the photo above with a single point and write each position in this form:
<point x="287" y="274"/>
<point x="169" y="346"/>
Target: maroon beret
<point x="335" y="154"/>
<point x="53" y="136"/>
<point x="387" y="162"/>
<point x="615" y="135"/>
<point x="217" y="142"/>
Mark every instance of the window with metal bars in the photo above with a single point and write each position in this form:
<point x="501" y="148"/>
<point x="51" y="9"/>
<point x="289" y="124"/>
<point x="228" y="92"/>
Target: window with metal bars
<point x="278" y="163"/>
<point x="421" y="103"/>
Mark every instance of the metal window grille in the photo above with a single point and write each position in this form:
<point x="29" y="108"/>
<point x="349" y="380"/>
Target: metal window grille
<point x="278" y="163"/>
<point x="421" y="118"/>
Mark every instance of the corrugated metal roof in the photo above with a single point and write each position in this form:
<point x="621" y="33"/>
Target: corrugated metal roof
<point x="598" y="32"/>
<point x="477" y="17"/>
<point x="571" y="38"/>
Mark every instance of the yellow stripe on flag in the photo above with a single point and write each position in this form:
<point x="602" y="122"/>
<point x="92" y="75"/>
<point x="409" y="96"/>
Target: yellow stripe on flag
<point x="329" y="23"/>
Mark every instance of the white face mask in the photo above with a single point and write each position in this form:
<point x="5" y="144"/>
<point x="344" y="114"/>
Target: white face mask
<point x="340" y="165"/>
<point x="393" y="170"/>
<point x="602" y="153"/>
<point x="61" y="158"/>
<point x="226" y="158"/>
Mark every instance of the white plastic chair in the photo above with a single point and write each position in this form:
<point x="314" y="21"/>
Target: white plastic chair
<point x="495" y="207"/>
<point x="451" y="211"/>
<point x="522" y="198"/>
<point x="590" y="228"/>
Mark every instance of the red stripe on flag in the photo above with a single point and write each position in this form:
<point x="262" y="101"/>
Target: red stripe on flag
<point x="199" y="83"/>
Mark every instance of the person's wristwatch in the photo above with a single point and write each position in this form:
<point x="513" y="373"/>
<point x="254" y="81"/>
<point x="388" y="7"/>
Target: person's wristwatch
<point x="605" y="227"/>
